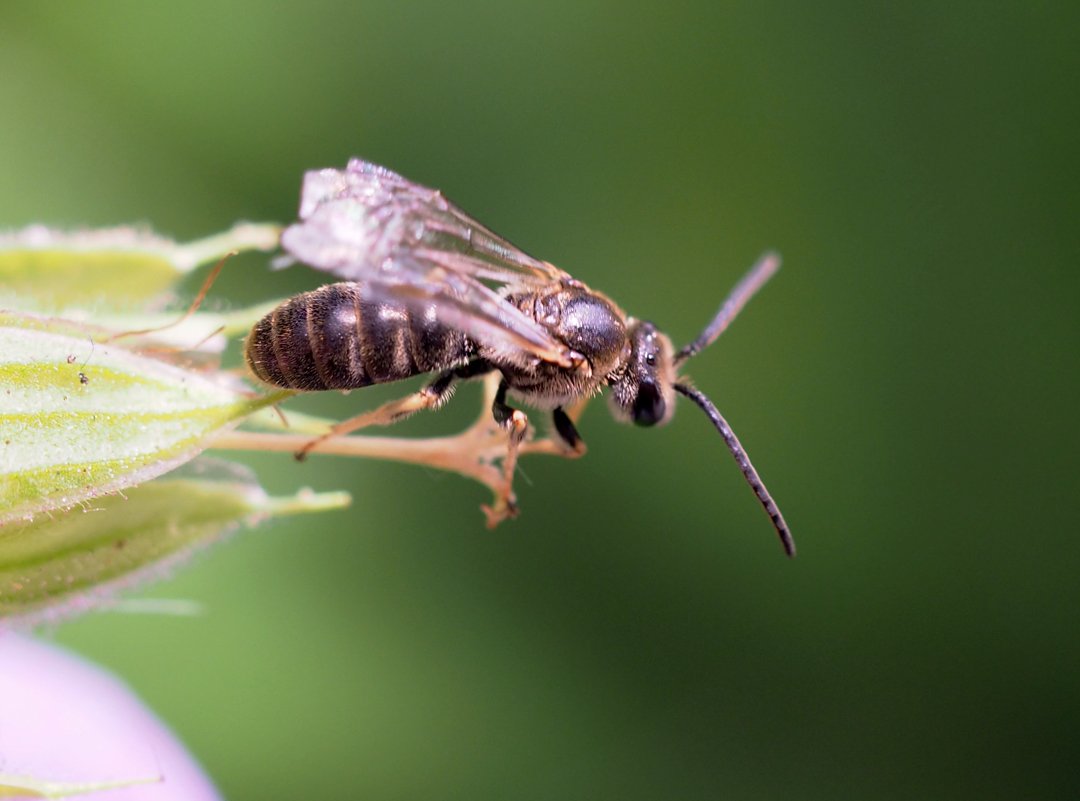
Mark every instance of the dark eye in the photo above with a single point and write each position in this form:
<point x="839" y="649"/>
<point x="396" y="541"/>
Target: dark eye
<point x="650" y="359"/>
<point x="649" y="405"/>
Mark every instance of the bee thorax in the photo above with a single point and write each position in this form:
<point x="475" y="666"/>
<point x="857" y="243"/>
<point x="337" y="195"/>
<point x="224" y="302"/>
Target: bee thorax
<point x="587" y="322"/>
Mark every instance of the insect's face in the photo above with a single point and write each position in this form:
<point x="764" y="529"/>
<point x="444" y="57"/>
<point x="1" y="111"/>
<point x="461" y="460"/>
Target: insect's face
<point x="643" y="392"/>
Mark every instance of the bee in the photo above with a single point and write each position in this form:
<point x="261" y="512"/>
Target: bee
<point x="428" y="289"/>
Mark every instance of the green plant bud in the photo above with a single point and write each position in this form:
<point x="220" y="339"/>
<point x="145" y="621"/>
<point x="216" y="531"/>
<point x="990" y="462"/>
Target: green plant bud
<point x="81" y="419"/>
<point x="50" y="269"/>
<point x="65" y="563"/>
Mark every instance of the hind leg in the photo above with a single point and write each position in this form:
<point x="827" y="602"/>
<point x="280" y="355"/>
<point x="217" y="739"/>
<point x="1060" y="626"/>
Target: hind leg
<point x="430" y="397"/>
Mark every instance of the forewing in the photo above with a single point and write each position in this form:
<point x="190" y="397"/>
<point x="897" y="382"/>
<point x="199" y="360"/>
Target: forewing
<point x="468" y="306"/>
<point x="353" y="221"/>
<point x="409" y="244"/>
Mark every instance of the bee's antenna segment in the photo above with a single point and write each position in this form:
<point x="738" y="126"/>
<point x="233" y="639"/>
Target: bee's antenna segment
<point x="754" y="280"/>
<point x="741" y="458"/>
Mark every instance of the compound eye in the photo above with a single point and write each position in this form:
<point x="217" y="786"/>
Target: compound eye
<point x="649" y="405"/>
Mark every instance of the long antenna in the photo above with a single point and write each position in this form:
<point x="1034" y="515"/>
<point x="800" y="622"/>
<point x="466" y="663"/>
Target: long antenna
<point x="194" y="307"/>
<point x="741" y="458"/>
<point x="754" y="280"/>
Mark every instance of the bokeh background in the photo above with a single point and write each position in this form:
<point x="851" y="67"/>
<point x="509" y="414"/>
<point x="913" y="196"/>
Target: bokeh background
<point x="907" y="386"/>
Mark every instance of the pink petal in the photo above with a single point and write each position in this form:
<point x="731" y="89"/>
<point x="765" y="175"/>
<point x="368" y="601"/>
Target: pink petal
<point x="65" y="720"/>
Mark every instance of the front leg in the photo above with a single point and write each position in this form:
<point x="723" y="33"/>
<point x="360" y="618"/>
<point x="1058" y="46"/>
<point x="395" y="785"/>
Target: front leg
<point x="568" y="433"/>
<point x="516" y="424"/>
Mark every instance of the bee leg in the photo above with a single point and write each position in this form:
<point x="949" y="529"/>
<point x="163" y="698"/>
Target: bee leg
<point x="568" y="432"/>
<point x="430" y="397"/>
<point x="516" y="424"/>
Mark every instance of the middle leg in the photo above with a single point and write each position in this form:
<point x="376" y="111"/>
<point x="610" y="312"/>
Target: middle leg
<point x="516" y="424"/>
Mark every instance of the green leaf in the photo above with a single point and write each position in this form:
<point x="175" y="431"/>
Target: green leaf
<point x="49" y="269"/>
<point x="60" y="565"/>
<point x="80" y="419"/>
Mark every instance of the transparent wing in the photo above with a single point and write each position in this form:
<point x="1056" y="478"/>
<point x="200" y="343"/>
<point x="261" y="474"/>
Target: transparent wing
<point x="477" y="310"/>
<point x="410" y="244"/>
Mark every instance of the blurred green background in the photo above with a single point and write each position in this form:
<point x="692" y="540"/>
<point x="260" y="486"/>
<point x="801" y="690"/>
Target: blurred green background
<point x="907" y="387"/>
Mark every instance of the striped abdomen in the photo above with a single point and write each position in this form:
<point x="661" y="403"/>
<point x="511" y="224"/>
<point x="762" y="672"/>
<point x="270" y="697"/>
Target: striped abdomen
<point x="335" y="338"/>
